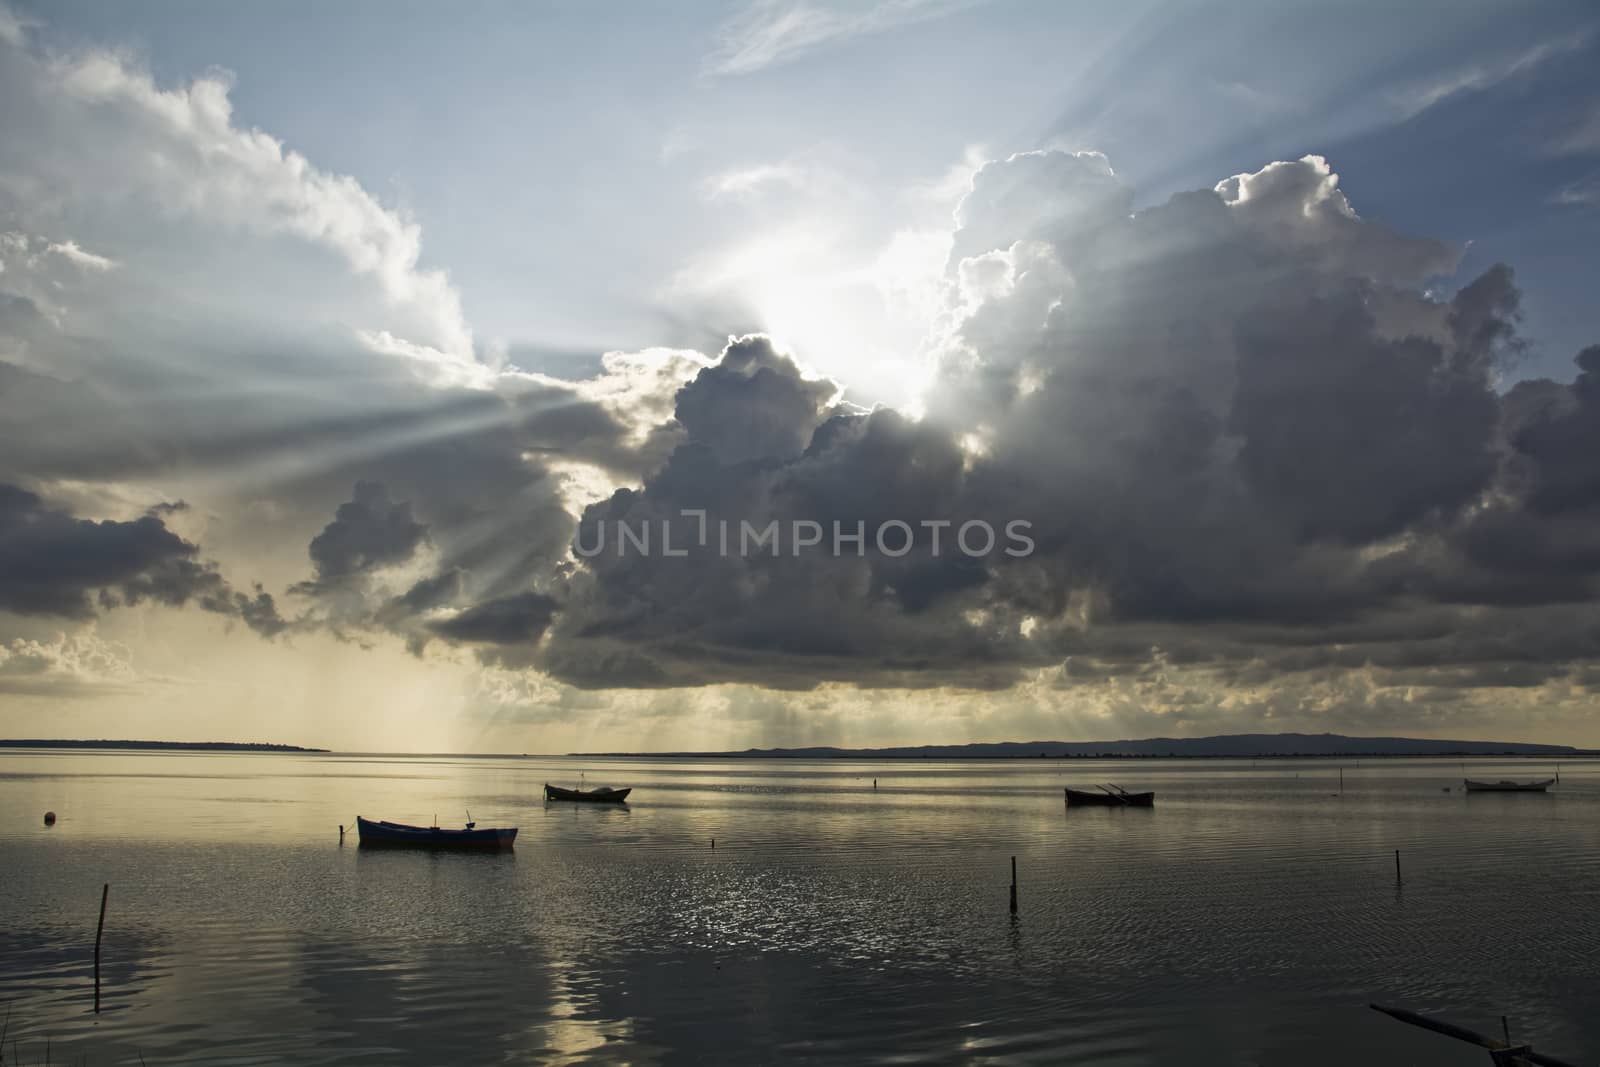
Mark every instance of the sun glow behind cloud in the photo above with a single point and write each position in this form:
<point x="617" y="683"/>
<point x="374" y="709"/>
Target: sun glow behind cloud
<point x="857" y="315"/>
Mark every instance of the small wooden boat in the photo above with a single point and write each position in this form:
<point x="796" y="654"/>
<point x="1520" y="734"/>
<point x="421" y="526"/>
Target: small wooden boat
<point x="1116" y="797"/>
<point x="1506" y="786"/>
<point x="1500" y="1052"/>
<point x="586" y="796"/>
<point x="398" y="834"/>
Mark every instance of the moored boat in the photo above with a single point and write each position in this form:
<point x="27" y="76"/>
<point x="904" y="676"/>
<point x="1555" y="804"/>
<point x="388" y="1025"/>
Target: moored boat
<point x="1507" y="786"/>
<point x="397" y="834"/>
<point x="1109" y="798"/>
<point x="587" y="796"/>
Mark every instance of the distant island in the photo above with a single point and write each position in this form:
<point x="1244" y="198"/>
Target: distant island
<point x="185" y="746"/>
<point x="1253" y="746"/>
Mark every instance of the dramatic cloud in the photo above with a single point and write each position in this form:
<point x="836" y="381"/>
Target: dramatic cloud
<point x="515" y="620"/>
<point x="56" y="565"/>
<point x="367" y="532"/>
<point x="1259" y="457"/>
<point x="1252" y="448"/>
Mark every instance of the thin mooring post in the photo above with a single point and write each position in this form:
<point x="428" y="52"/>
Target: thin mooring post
<point x="1396" y="866"/>
<point x="1013" y="885"/>
<point x="1341" y="781"/>
<point x="99" y="932"/>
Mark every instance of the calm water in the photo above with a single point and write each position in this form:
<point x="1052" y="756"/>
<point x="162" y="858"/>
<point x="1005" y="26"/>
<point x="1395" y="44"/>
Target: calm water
<point x="1248" y="918"/>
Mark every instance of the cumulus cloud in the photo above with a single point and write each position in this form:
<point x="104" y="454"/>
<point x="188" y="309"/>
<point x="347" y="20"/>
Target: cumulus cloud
<point x="302" y="346"/>
<point x="54" y="564"/>
<point x="116" y="170"/>
<point x="82" y="664"/>
<point x="368" y="532"/>
<point x="251" y="180"/>
<point x="1259" y="450"/>
<point x="514" y="620"/>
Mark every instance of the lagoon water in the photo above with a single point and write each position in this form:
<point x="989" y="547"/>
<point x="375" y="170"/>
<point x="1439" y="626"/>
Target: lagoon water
<point x="1248" y="918"/>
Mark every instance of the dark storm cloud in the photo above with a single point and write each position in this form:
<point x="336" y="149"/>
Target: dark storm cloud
<point x="1561" y="440"/>
<point x="1243" y="432"/>
<point x="1350" y="436"/>
<point x="512" y="620"/>
<point x="368" y="531"/>
<point x="780" y="453"/>
<point x="52" y="563"/>
<point x="752" y="405"/>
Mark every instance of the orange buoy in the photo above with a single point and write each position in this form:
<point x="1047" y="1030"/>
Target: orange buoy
<point x="49" y="818"/>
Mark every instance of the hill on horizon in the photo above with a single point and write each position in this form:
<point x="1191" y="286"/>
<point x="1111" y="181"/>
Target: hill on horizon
<point x="1287" y="744"/>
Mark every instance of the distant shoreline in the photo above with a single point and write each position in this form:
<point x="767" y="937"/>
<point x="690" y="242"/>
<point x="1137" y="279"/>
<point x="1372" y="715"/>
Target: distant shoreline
<point x="1224" y="746"/>
<point x="185" y="746"/>
<point x="1577" y="754"/>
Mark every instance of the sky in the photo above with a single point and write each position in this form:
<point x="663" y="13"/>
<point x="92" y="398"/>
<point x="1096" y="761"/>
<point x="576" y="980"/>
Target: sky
<point x="329" y="338"/>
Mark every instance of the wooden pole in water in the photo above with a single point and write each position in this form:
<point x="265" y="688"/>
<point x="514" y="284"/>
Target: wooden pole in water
<point x="1341" y="781"/>
<point x="1013" y="885"/>
<point x="1396" y="866"/>
<point x="99" y="932"/>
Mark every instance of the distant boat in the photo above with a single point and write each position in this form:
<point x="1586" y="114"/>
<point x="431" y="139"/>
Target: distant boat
<point x="587" y="796"/>
<point x="1117" y="797"/>
<point x="1505" y="786"/>
<point x="398" y="834"/>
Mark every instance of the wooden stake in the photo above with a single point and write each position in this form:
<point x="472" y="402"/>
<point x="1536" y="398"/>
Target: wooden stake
<point x="98" y="934"/>
<point x="1013" y="885"/>
<point x="1396" y="866"/>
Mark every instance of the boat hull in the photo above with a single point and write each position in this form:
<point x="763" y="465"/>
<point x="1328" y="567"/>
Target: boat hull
<point x="591" y="796"/>
<point x="1082" y="798"/>
<point x="1508" y="787"/>
<point x="380" y="834"/>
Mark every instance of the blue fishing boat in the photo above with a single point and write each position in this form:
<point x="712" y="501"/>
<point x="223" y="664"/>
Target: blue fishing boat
<point x="399" y="835"/>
